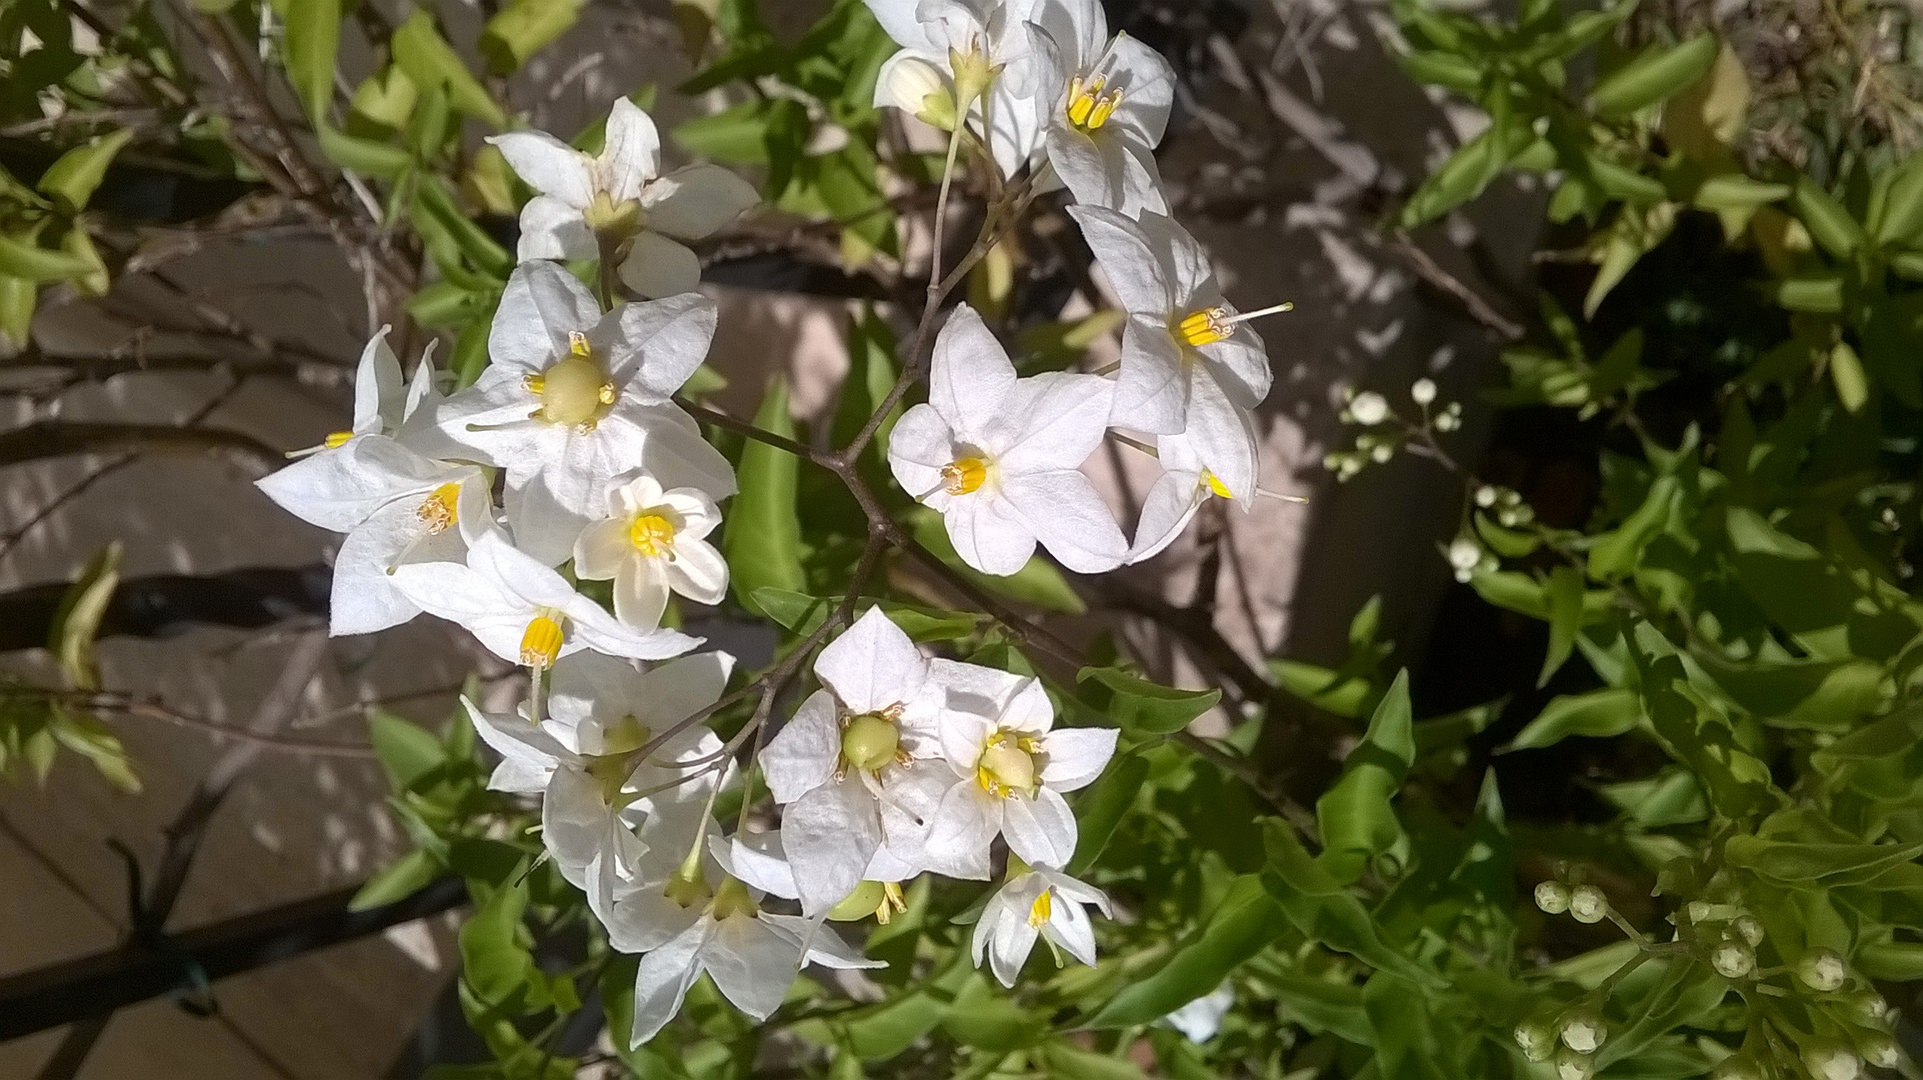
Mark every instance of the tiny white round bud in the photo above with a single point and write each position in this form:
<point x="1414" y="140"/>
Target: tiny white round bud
<point x="1584" y="1033"/>
<point x="1465" y="576"/>
<point x="1699" y="910"/>
<point x="1749" y="929"/>
<point x="1464" y="554"/>
<point x="1823" y="971"/>
<point x="1733" y="960"/>
<point x="1869" y="1006"/>
<point x="1536" y="1040"/>
<point x="1509" y="497"/>
<point x="1881" y="1051"/>
<point x="1552" y="897"/>
<point x="1508" y="518"/>
<point x="1571" y="1065"/>
<point x="1587" y="904"/>
<point x="1832" y="1062"/>
<point x="1448" y="421"/>
<point x="1423" y="391"/>
<point x="1369" y="408"/>
<point x="1381" y="453"/>
<point x="1486" y="496"/>
<point x="1332" y="462"/>
<point x="1736" y="1067"/>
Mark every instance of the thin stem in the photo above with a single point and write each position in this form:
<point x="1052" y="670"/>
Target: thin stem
<point x="941" y="201"/>
<point x="536" y="703"/>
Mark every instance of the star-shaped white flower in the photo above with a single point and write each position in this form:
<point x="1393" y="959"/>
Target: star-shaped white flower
<point x="622" y="191"/>
<point x="1187" y="355"/>
<point x="596" y="793"/>
<point x="855" y="770"/>
<point x="1105" y="104"/>
<point x="752" y="955"/>
<point x="524" y="611"/>
<point x="384" y="405"/>
<point x="1187" y="481"/>
<point x="572" y="399"/>
<point x="1010" y="768"/>
<point x="1037" y="902"/>
<point x="988" y="35"/>
<point x="998" y="456"/>
<point x="651" y="542"/>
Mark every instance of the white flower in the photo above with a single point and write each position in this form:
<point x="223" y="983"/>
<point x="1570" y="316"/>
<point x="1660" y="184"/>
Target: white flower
<point x="382" y="406"/>
<point x="1187" y="481"/>
<point x="653" y="541"/>
<point x="991" y="43"/>
<point x="573" y="399"/>
<point x="1422" y="391"/>
<point x="622" y="192"/>
<point x="1369" y="408"/>
<point x="753" y="956"/>
<point x="1105" y="103"/>
<point x="855" y="770"/>
<point x="1037" y="902"/>
<point x="524" y="611"/>
<point x="1010" y="770"/>
<point x="1199" y="1020"/>
<point x="997" y="456"/>
<point x="1189" y="360"/>
<point x="396" y="507"/>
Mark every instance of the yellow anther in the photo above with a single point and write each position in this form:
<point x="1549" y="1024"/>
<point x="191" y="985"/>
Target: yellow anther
<point x="652" y="534"/>
<point x="337" y="439"/>
<point x="1216" y="485"/>
<point x="1082" y="99"/>
<point x="1041" y="909"/>
<point x="541" y="642"/>
<point x="963" y="475"/>
<point x="441" y="508"/>
<point x="1103" y="110"/>
<point x="1205" y="327"/>
<point x="890" y="898"/>
<point x="1007" y="765"/>
<point x="572" y="391"/>
<point x="578" y="344"/>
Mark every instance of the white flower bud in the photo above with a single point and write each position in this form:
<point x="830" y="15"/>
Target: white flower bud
<point x="1369" y="408"/>
<point x="1832" y="1062"/>
<point x="1881" y="1051"/>
<point x="1587" y="904"/>
<point x="1749" y="929"/>
<point x="1465" y="576"/>
<point x="1552" y="896"/>
<point x="1700" y="911"/>
<point x="1869" y="1007"/>
<point x="1571" y="1065"/>
<point x="1733" y="960"/>
<point x="1508" y="518"/>
<point x="1536" y="1040"/>
<point x="1486" y="496"/>
<point x="1332" y="462"/>
<point x="1736" y="1067"/>
<point x="1382" y="453"/>
<point x="1423" y="391"/>
<point x="1822" y="971"/>
<point x="1584" y="1032"/>
<point x="1448" y="421"/>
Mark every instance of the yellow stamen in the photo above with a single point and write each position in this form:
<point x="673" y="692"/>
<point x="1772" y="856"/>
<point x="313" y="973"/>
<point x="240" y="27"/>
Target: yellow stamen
<point x="963" y="475"/>
<point x="1041" y="909"/>
<point x="572" y="391"/>
<point x="578" y="344"/>
<point x="890" y="898"/>
<point x="440" y="509"/>
<point x="1103" y="110"/>
<point x="1082" y="99"/>
<point x="1216" y="485"/>
<point x="1008" y="765"/>
<point x="541" y="643"/>
<point x="1213" y="324"/>
<point x="652" y="534"/>
<point x="337" y="440"/>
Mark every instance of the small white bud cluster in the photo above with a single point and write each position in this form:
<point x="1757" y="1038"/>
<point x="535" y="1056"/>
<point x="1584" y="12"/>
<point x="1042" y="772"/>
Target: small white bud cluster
<point x="1367" y="409"/>
<point x="1466" y="557"/>
<point x="1584" y="1032"/>
<point x="1505" y="504"/>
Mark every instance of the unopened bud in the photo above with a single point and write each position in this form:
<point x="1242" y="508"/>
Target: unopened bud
<point x="1423" y="391"/>
<point x="1749" y="929"/>
<point x="1485" y="496"/>
<point x="1832" y="1062"/>
<point x="1584" y="1032"/>
<point x="1880" y="1051"/>
<point x="1737" y="1067"/>
<point x="1733" y="960"/>
<point x="1571" y="1065"/>
<point x="1869" y="1007"/>
<point x="1551" y="896"/>
<point x="1536" y="1040"/>
<point x="1823" y="971"/>
<point x="1587" y="904"/>
<point x="1369" y="408"/>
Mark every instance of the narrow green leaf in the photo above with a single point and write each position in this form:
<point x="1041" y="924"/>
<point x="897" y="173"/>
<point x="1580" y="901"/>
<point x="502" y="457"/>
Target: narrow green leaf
<point x="494" y="963"/>
<point x="1565" y="594"/>
<point x="24" y="259"/>
<point x="1067" y="1061"/>
<point x="365" y="156"/>
<point x="523" y="28"/>
<point x="763" y="538"/>
<point x="406" y="750"/>
<point x="76" y="623"/>
<point x="1323" y="910"/>
<point x="398" y="880"/>
<point x="18" y="298"/>
<point x="430" y="61"/>
<point x="1831" y="864"/>
<point x="72" y="179"/>
<point x="1899" y="220"/>
<point x="1100" y="809"/>
<point x="313" y="38"/>
<point x="1240" y="926"/>
<point x="1598" y="714"/>
<point x="1829" y="224"/>
<point x="1356" y="817"/>
<point x="1653" y="76"/>
<point x="1846" y="372"/>
<point x="1150" y="708"/>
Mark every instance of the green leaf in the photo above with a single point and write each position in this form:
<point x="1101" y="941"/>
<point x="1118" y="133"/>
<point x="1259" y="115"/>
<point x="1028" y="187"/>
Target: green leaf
<point x="1672" y="797"/>
<point x="313" y="37"/>
<point x="1525" y="595"/>
<point x="1653" y="76"/>
<point x="1357" y="819"/>
<point x="524" y="28"/>
<point x="398" y="880"/>
<point x="1065" y="1060"/>
<point x="406" y="750"/>
<point x="1898" y="219"/>
<point x="1831" y="864"/>
<point x="985" y="1019"/>
<point x="18" y="298"/>
<point x="76" y="623"/>
<point x="27" y="260"/>
<point x="1461" y="178"/>
<point x="1829" y="224"/>
<point x="1445" y="69"/>
<point x="1896" y="961"/>
<point x="1617" y="553"/>
<point x="1852" y="382"/>
<point x="365" y="156"/>
<point x="1564" y="592"/>
<point x="440" y="305"/>
<point x="1149" y="708"/>
<point x="1338" y="692"/>
<point x="1598" y="714"/>
<point x="1635" y="233"/>
<point x="1099" y="809"/>
<point x="763" y="538"/>
<point x="494" y="963"/>
<point x="734" y="136"/>
<point x="1319" y="906"/>
<point x="1819" y="292"/>
<point x="1241" y="925"/>
<point x="72" y="179"/>
<point x="1736" y="191"/>
<point x="432" y="197"/>
<point x="430" y="61"/>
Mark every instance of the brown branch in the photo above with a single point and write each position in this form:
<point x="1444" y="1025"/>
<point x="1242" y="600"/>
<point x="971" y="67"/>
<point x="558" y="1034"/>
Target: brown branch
<point x="156" y="709"/>
<point x="60" y="438"/>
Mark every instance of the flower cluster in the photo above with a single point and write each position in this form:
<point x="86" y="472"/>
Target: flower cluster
<point x="1058" y="100"/>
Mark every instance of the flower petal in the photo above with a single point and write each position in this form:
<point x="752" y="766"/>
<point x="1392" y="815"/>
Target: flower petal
<point x="631" y="156"/>
<point x="802" y="755"/>
<point x="1076" y="756"/>
<point x="698" y="572"/>
<point x="377" y="387"/>
<point x="1222" y="436"/>
<point x="528" y="754"/>
<point x="1068" y="926"/>
<point x="1170" y="506"/>
<point x="1041" y="830"/>
<point x="1065" y="513"/>
<point x="652" y="347"/>
<point x="920" y="444"/>
<point x="641" y="591"/>
<point x="1152" y="387"/>
<point x="971" y="375"/>
<point x="829" y="835"/>
<point x="657" y="266"/>
<point x="751" y="965"/>
<point x="872" y="665"/>
<point x="548" y="165"/>
<point x="540" y="306"/>
<point x="692" y="202"/>
<point x="662" y="979"/>
<point x="551" y="229"/>
<point x="1128" y="260"/>
<point x="959" y="834"/>
<point x="825" y="946"/>
<point x="1054" y="421"/>
<point x="602" y="549"/>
